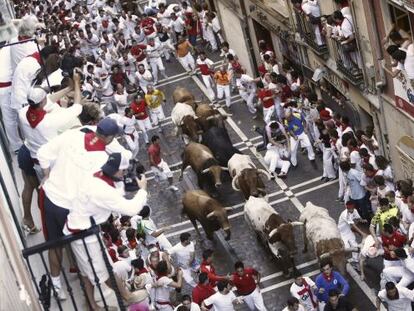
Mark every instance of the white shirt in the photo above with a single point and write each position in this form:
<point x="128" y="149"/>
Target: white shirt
<point x="121" y="99"/>
<point x="246" y="83"/>
<point x="345" y="222"/>
<point x="407" y="215"/>
<point x="302" y="295"/>
<point x="6" y="69"/>
<point x="300" y="308"/>
<point x="70" y="163"/>
<point x="162" y="292"/>
<point x="355" y="158"/>
<point x="403" y="303"/>
<point x="19" y="51"/>
<point x="183" y="254"/>
<point x="149" y="228"/>
<point x="48" y="128"/>
<point x="144" y="78"/>
<point x="409" y="62"/>
<point x="311" y="7"/>
<point x="97" y="199"/>
<point x="221" y="302"/>
<point x="23" y="76"/>
<point x="347" y="26"/>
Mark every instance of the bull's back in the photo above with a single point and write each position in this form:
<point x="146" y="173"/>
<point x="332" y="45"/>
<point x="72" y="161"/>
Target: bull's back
<point x="258" y="211"/>
<point x="182" y="95"/>
<point x="327" y="245"/>
<point x="220" y="144"/>
<point x="193" y="204"/>
<point x="319" y="229"/>
<point x="197" y="154"/>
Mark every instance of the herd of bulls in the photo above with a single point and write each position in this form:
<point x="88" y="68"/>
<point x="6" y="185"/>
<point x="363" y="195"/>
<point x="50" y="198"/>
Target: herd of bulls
<point x="209" y="151"/>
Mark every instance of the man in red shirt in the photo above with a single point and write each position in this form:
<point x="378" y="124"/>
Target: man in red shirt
<point x="159" y="167"/>
<point x="246" y="281"/>
<point x="203" y="290"/>
<point x="206" y="68"/>
<point x="266" y="98"/>
<point x="139" y="108"/>
<point x="207" y="267"/>
<point x="391" y="240"/>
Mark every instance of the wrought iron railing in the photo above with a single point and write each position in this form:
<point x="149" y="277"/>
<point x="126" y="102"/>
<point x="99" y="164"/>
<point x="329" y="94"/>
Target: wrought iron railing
<point x="311" y="33"/>
<point x="43" y="282"/>
<point x="348" y="62"/>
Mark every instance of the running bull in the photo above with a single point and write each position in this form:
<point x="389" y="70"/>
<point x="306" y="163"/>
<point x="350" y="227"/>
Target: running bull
<point x="198" y="205"/>
<point x="182" y="95"/>
<point x="184" y="118"/>
<point x="202" y="161"/>
<point x="246" y="177"/>
<point x="218" y="140"/>
<point x="272" y="230"/>
<point x="322" y="230"/>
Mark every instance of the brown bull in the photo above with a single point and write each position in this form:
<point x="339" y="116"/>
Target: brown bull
<point x="203" y="163"/>
<point x="190" y="127"/>
<point x="209" y="117"/>
<point x="182" y="95"/>
<point x="198" y="205"/>
<point x="250" y="183"/>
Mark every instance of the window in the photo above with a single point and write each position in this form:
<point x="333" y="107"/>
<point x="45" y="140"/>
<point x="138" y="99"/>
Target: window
<point x="400" y="18"/>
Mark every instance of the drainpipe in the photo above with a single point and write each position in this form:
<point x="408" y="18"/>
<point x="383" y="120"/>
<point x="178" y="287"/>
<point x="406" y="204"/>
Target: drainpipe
<point x="382" y="80"/>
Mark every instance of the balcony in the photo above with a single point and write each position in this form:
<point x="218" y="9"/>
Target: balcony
<point x="311" y="33"/>
<point x="348" y="62"/>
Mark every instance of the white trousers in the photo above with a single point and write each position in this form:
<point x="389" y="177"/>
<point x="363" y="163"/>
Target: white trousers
<point x="167" y="48"/>
<point x="157" y="115"/>
<point x="248" y="97"/>
<point x="10" y="119"/>
<point x="350" y="241"/>
<point x="133" y="143"/>
<point x="188" y="62"/>
<point x="304" y="141"/>
<point x="273" y="160"/>
<point x="254" y="301"/>
<point x="224" y="90"/>
<point x="208" y="83"/>
<point x="328" y="167"/>
<point x="268" y="113"/>
<point x="342" y="183"/>
<point x="400" y="275"/>
<point x="165" y="173"/>
<point x="156" y="64"/>
<point x="188" y="277"/>
<point x="145" y="125"/>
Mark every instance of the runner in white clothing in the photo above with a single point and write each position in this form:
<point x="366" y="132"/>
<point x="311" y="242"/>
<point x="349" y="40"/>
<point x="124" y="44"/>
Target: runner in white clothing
<point x="163" y="285"/>
<point x="397" y="298"/>
<point x="143" y="77"/>
<point x="223" y="300"/>
<point x="206" y="66"/>
<point x="303" y="289"/>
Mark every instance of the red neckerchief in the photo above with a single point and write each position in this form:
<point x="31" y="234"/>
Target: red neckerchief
<point x="34" y="116"/>
<point x="22" y="38"/>
<point x="105" y="178"/>
<point x="159" y="276"/>
<point x="328" y="278"/>
<point x="308" y="290"/>
<point x="93" y="143"/>
<point x="37" y="57"/>
<point x="141" y="271"/>
<point x="344" y="127"/>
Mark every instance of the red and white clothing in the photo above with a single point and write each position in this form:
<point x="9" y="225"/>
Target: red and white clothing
<point x="144" y="78"/>
<point x="23" y="76"/>
<point x="206" y="67"/>
<point x="162" y="293"/>
<point x="247" y="91"/>
<point x="345" y="222"/>
<point x="141" y="115"/>
<point x="265" y="97"/>
<point x="161" y="170"/>
<point x="247" y="287"/>
<point x="305" y="294"/>
<point x="221" y="302"/>
<point x="130" y="132"/>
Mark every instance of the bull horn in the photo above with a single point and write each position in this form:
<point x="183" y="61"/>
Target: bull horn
<point x="233" y="183"/>
<point x="210" y="118"/>
<point x="264" y="172"/>
<point x="224" y="168"/>
<point x="205" y="170"/>
<point x="229" y="208"/>
<point x="297" y="223"/>
<point x="209" y="215"/>
<point x="272" y="233"/>
<point x="351" y="249"/>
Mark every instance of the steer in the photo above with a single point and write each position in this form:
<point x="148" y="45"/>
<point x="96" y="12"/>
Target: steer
<point x="184" y="117"/>
<point x="182" y="95"/>
<point x="322" y="230"/>
<point x="274" y="232"/>
<point x="209" y="117"/>
<point x="202" y="161"/>
<point x="246" y="177"/>
<point x="218" y="140"/>
<point x="198" y="205"/>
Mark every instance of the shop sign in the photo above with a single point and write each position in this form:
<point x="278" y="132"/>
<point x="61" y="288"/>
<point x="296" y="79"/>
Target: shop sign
<point x="404" y="94"/>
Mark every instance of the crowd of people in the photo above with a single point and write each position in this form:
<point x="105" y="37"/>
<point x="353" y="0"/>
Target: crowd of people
<point x="94" y="81"/>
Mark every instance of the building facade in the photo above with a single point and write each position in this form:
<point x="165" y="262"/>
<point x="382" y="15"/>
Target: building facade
<point x="357" y="82"/>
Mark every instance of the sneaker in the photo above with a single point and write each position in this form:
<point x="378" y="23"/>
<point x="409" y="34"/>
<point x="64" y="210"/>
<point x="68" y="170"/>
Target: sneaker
<point x="173" y="188"/>
<point x="60" y="293"/>
<point x="282" y="175"/>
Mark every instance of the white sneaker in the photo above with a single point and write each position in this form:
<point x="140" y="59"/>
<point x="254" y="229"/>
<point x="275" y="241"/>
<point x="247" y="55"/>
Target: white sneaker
<point x="60" y="293"/>
<point x="173" y="188"/>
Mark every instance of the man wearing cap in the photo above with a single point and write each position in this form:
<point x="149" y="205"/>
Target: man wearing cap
<point x="99" y="195"/>
<point x="158" y="166"/>
<point x="346" y="225"/>
<point x="66" y="160"/>
<point x="39" y="124"/>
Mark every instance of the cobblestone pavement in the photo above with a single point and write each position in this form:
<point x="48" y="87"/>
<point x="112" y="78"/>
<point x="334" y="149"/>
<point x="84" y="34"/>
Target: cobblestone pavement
<point x="287" y="197"/>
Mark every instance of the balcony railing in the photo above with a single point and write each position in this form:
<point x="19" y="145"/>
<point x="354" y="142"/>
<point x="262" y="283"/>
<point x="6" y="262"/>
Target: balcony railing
<point x="42" y="279"/>
<point x="348" y="61"/>
<point x="311" y="33"/>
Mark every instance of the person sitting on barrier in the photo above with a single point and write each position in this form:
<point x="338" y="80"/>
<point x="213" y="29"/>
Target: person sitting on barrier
<point x="99" y="195"/>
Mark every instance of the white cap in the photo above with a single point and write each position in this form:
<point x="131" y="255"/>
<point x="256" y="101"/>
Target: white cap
<point x="36" y="95"/>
